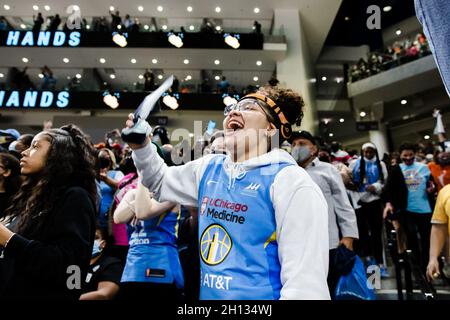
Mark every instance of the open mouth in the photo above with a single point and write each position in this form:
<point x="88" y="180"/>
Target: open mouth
<point x="234" y="125"/>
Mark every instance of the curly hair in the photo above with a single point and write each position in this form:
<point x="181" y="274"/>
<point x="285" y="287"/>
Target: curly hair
<point x="13" y="181"/>
<point x="70" y="162"/>
<point x="289" y="101"/>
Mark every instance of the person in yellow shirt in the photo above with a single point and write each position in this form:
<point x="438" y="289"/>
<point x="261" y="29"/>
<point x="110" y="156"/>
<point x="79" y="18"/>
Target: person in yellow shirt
<point x="439" y="231"/>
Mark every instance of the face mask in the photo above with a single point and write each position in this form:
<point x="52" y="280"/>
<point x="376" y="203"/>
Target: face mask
<point x="104" y="163"/>
<point x="96" y="250"/>
<point x="300" y="154"/>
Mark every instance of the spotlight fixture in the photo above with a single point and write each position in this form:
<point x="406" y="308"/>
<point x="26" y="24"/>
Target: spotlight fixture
<point x="227" y="100"/>
<point x="171" y="101"/>
<point x="35" y="8"/>
<point x="6" y="7"/>
<point x="186" y="61"/>
<point x="404" y="101"/>
<point x="256" y="10"/>
<point x="362" y="114"/>
<point x="154" y="61"/>
<point x="189" y="9"/>
<point x="216" y="62"/>
<point x="25" y="60"/>
<point x="120" y="39"/>
<point x="141" y="76"/>
<point x="160" y="76"/>
<point x="426" y="137"/>
<point x="331" y="134"/>
<point x="259" y="63"/>
<point x="341" y="120"/>
<point x="217" y="78"/>
<point x="141" y="8"/>
<point x="191" y="27"/>
<point x="398" y="32"/>
<point x="40" y="75"/>
<point x="387" y="8"/>
<point x="160" y="8"/>
<point x="112" y="76"/>
<point x="66" y="60"/>
<point x="218" y="9"/>
<point x="102" y="60"/>
<point x="133" y="60"/>
<point x="111" y="100"/>
<point x="232" y="40"/>
<point x="175" y="40"/>
<point x="78" y="76"/>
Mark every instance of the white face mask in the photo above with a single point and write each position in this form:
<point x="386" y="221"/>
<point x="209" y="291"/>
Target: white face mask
<point x="301" y="153"/>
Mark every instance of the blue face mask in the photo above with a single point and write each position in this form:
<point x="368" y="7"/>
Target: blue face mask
<point x="96" y="250"/>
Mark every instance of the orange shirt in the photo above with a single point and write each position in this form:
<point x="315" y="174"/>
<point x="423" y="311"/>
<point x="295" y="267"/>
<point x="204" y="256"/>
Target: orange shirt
<point x="440" y="175"/>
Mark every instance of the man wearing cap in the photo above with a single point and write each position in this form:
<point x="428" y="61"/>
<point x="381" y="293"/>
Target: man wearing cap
<point x="341" y="216"/>
<point x="8" y="136"/>
<point x="258" y="238"/>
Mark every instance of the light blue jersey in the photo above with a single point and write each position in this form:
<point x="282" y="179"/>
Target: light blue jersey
<point x="153" y="254"/>
<point x="416" y="179"/>
<point x="237" y="234"/>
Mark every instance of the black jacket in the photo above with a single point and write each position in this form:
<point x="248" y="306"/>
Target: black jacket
<point x="39" y="268"/>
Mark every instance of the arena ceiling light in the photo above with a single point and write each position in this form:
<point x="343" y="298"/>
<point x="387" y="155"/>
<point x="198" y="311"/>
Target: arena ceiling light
<point x="111" y="8"/>
<point x="217" y="62"/>
<point x="35" y="8"/>
<point x="133" y="60"/>
<point x="141" y="76"/>
<point x="146" y="27"/>
<point x="232" y="40"/>
<point x="25" y="60"/>
<point x="218" y="28"/>
<point x="426" y="137"/>
<point x="111" y="100"/>
<point x="175" y="40"/>
<point x="259" y="63"/>
<point x="112" y="76"/>
<point x="217" y="78"/>
<point x="387" y="8"/>
<point x="189" y="9"/>
<point x="171" y="101"/>
<point x="256" y="10"/>
<point x="191" y="27"/>
<point x="398" y="32"/>
<point x="6" y="7"/>
<point x="119" y="39"/>
<point x="227" y="100"/>
<point x="362" y="114"/>
<point x="255" y="78"/>
<point x="66" y="60"/>
<point x="218" y="9"/>
<point x="1" y="75"/>
<point x="40" y="75"/>
<point x="331" y="134"/>
<point x="140" y="8"/>
<point x="47" y="8"/>
<point x="88" y="27"/>
<point x="186" y="61"/>
<point x="404" y="101"/>
<point x="160" y="76"/>
<point x="23" y="26"/>
<point x="188" y="77"/>
<point x="341" y="120"/>
<point x="164" y="27"/>
<point x="154" y="61"/>
<point x="324" y="78"/>
<point x="160" y="8"/>
<point x="102" y="60"/>
<point x="78" y="76"/>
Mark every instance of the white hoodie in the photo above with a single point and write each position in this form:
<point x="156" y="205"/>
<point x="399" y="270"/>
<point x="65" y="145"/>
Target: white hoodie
<point x="301" y="212"/>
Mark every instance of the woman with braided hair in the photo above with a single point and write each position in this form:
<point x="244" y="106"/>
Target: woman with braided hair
<point x="50" y="226"/>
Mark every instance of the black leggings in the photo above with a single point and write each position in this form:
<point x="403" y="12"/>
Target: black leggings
<point x="416" y="224"/>
<point x="370" y="223"/>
